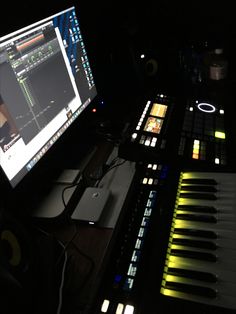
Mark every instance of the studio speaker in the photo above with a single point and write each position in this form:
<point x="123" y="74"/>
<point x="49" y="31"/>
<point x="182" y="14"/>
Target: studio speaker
<point x="16" y="271"/>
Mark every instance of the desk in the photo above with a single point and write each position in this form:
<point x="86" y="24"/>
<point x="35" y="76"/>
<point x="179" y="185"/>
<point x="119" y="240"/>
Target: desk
<point x="88" y="246"/>
<point x="87" y="256"/>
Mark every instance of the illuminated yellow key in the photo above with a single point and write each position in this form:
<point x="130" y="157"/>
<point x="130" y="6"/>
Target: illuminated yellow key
<point x="219" y="134"/>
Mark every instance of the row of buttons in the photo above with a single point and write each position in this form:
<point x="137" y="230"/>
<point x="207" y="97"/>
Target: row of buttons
<point x="129" y="253"/>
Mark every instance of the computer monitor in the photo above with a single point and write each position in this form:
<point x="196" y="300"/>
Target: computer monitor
<point x="46" y="82"/>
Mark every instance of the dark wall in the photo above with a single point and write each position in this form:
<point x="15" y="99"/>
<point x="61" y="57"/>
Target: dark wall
<point x="117" y="32"/>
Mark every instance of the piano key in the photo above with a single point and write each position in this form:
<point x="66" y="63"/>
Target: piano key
<point x="196" y="233"/>
<point x="222" y="238"/>
<point x="199" y="188"/>
<point x="221" y="204"/>
<point x="196" y="217"/>
<point x="193" y="274"/>
<point x="184" y="254"/>
<point x="201" y="196"/>
<point x="198" y="208"/>
<point x="210" y="265"/>
<point x="217" y="218"/>
<point x="205" y="181"/>
<point x="205" y="256"/>
<point x="220" y="242"/>
<point x="209" y="258"/>
<point x="226" y="250"/>
<point x="220" y="225"/>
<point x="198" y="290"/>
<point x="225" y="301"/>
<point x="224" y="223"/>
<point x="225" y="280"/>
<point x="220" y="287"/>
<point x="223" y="198"/>
<point x="225" y="181"/>
<point x="212" y="268"/>
<point x="195" y="243"/>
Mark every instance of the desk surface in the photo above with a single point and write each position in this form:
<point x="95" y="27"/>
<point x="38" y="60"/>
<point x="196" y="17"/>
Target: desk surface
<point x="88" y="246"/>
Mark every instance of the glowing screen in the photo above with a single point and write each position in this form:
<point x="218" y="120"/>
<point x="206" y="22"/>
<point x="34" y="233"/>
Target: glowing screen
<point x="158" y="110"/>
<point x="153" y="125"/>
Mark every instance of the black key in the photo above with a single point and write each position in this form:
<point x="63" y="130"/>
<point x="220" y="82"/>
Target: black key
<point x="200" y="188"/>
<point x="191" y="289"/>
<point x="198" y="208"/>
<point x="192" y="274"/>
<point x="200" y="181"/>
<point x="195" y="243"/>
<point x="202" y="196"/>
<point x="196" y="217"/>
<point x="196" y="233"/>
<point x="209" y="257"/>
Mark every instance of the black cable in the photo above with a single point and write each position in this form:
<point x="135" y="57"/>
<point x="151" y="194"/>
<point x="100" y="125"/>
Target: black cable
<point x="96" y="175"/>
<point x="64" y="190"/>
<point x="67" y="187"/>
<point x="117" y="165"/>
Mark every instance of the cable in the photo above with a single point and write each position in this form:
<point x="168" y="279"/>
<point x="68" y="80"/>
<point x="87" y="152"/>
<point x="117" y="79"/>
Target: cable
<point x="60" y="294"/>
<point x="66" y="261"/>
<point x="117" y="165"/>
<point x="99" y="171"/>
<point x="87" y="257"/>
<point x="80" y="252"/>
<point x="66" y="246"/>
<point x="67" y="188"/>
<point x="70" y="186"/>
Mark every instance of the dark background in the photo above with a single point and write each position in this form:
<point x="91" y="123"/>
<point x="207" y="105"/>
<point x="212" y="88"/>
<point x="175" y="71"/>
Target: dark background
<point x="116" y="32"/>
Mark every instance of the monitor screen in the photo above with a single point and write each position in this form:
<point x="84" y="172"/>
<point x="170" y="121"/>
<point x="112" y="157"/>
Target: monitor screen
<point x="46" y="82"/>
